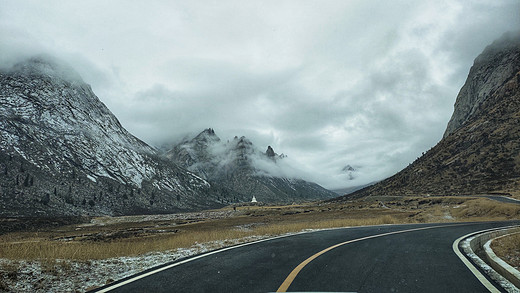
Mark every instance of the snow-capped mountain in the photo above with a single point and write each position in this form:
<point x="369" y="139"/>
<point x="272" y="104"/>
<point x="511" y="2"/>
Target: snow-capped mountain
<point x="63" y="152"/>
<point x="239" y="166"/>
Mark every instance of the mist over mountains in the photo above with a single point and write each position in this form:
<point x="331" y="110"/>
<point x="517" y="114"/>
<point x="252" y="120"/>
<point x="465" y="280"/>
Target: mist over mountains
<point x="480" y="151"/>
<point x="305" y="80"/>
<point x="238" y="165"/>
<point x="64" y="153"/>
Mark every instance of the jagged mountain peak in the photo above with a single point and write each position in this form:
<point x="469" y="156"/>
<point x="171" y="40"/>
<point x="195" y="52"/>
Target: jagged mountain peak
<point x="55" y="132"/>
<point x="270" y="152"/>
<point x="480" y="152"/>
<point x="208" y="135"/>
<point x="243" y="143"/>
<point x="207" y="132"/>
<point x="348" y="168"/>
<point x="240" y="167"/>
<point x="47" y="66"/>
<point x="507" y="42"/>
<point x="491" y="69"/>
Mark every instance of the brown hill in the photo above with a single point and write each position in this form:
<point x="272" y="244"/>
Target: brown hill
<point x="480" y="152"/>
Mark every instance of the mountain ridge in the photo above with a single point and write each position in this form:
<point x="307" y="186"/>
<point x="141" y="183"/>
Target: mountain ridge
<point x="239" y="166"/>
<point x="482" y="154"/>
<point x="501" y="58"/>
<point x="64" y="152"/>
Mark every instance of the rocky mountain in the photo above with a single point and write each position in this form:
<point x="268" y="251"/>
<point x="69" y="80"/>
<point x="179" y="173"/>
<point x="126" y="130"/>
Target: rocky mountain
<point x="62" y="152"/>
<point x="491" y="69"/>
<point x="239" y="167"/>
<point x="480" y="151"/>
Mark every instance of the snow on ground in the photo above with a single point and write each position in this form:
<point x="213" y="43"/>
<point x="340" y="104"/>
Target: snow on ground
<point x="80" y="276"/>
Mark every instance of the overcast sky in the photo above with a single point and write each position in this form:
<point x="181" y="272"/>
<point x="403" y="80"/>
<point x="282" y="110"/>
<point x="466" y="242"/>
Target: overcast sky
<point x="369" y="84"/>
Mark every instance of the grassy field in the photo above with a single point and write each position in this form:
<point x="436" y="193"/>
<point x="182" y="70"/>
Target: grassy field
<point x="508" y="249"/>
<point x="129" y="236"/>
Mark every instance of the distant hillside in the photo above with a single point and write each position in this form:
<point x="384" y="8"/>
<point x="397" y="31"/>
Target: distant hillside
<point x="62" y="152"/>
<point x="480" y="151"/>
<point x="349" y="190"/>
<point x="242" y="170"/>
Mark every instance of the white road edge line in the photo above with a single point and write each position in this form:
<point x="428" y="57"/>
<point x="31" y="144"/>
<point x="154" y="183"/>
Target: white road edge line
<point x="120" y="284"/>
<point x="117" y="285"/>
<point x="511" y="198"/>
<point x="186" y="261"/>
<point x="470" y="266"/>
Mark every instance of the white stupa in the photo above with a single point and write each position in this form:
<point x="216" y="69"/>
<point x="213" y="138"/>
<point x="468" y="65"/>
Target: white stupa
<point x="254" y="199"/>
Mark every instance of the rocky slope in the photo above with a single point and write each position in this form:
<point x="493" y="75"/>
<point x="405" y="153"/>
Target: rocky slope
<point x="62" y="152"/>
<point x="480" y="152"/>
<point x="491" y="69"/>
<point x="238" y="167"/>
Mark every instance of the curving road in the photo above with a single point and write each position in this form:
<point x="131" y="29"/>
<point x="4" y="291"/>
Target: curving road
<point x="502" y="199"/>
<point x="389" y="258"/>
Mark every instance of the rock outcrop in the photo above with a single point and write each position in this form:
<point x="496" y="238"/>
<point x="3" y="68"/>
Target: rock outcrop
<point x="62" y="152"/>
<point x="491" y="69"/>
<point x="480" y="152"/>
<point x="243" y="171"/>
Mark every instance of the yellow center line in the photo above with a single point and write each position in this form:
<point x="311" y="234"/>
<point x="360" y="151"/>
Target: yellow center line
<point x="290" y="278"/>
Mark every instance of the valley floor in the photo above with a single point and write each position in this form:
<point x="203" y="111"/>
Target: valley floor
<point x="81" y="256"/>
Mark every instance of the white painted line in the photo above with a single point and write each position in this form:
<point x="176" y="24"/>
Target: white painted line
<point x="470" y="266"/>
<point x="138" y="277"/>
<point x="120" y="284"/>
<point x="112" y="287"/>
<point x="510" y="198"/>
<point x="294" y="273"/>
<point x="186" y="261"/>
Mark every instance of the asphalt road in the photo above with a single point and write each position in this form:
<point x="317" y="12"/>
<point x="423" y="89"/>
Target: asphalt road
<point x="502" y="199"/>
<point x="410" y="261"/>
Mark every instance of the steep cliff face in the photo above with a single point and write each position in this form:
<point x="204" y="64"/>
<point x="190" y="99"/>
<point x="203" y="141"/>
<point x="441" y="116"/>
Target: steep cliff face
<point x="480" y="152"/>
<point x="491" y="69"/>
<point x="242" y="170"/>
<point x="63" y="152"/>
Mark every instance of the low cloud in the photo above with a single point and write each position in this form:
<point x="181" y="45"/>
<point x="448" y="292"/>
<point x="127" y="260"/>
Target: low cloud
<point x="364" y="83"/>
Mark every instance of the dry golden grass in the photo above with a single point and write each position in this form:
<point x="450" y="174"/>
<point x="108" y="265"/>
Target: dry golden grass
<point x="48" y="249"/>
<point x="78" y="250"/>
<point x="486" y="209"/>
<point x="508" y="249"/>
<point x="120" y="238"/>
<point x="269" y="221"/>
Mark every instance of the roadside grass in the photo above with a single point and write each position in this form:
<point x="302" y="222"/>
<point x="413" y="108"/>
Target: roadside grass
<point x="127" y="238"/>
<point x="486" y="209"/>
<point x="52" y="245"/>
<point x="508" y="249"/>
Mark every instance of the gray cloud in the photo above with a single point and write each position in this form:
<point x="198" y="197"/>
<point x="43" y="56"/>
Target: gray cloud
<point x="366" y="83"/>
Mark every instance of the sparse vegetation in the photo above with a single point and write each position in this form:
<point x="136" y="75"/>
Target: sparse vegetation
<point x="129" y="241"/>
<point x="113" y="247"/>
<point x="508" y="249"/>
<point x="114" y="237"/>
